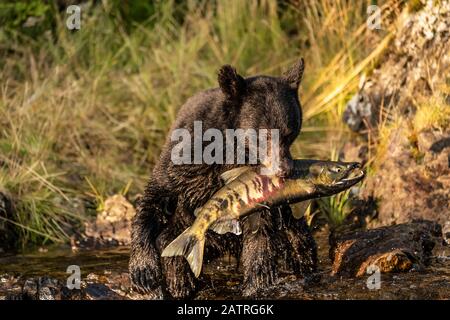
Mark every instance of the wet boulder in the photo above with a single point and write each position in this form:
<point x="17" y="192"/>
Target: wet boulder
<point x="39" y="288"/>
<point x="10" y="288"/>
<point x="397" y="248"/>
<point x="99" y="291"/>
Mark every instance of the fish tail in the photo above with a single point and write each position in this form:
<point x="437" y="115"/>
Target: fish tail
<point x="189" y="245"/>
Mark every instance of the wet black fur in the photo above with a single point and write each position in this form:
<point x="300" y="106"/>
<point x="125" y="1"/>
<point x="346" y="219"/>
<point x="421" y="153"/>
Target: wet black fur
<point x="175" y="191"/>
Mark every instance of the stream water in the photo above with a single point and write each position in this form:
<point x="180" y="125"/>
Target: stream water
<point x="107" y="270"/>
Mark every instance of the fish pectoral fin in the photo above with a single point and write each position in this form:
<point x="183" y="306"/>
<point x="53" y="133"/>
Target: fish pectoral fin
<point x="262" y="205"/>
<point x="299" y="209"/>
<point x="196" y="211"/>
<point x="254" y="221"/>
<point x="226" y="225"/>
<point x="232" y="174"/>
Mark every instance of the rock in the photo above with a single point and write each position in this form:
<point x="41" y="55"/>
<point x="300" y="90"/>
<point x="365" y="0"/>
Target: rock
<point x="38" y="288"/>
<point x="411" y="180"/>
<point x="49" y="289"/>
<point x="7" y="231"/>
<point x="41" y="288"/>
<point x="359" y="111"/>
<point x="10" y="288"/>
<point x="94" y="287"/>
<point x="98" y="291"/>
<point x="397" y="248"/>
<point x="30" y="289"/>
<point x="416" y="61"/>
<point x="446" y="232"/>
<point x="113" y="224"/>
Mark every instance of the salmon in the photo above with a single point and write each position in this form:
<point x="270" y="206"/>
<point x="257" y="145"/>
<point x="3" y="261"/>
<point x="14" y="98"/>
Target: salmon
<point x="246" y="190"/>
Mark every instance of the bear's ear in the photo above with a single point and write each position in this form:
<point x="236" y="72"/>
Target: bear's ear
<point x="230" y="82"/>
<point x="294" y="75"/>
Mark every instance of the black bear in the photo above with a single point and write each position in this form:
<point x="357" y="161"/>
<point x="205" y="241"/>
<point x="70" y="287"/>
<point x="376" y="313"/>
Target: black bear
<point x="176" y="190"/>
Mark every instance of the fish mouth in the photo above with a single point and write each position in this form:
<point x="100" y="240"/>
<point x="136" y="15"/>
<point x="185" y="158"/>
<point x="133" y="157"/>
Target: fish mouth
<point x="352" y="178"/>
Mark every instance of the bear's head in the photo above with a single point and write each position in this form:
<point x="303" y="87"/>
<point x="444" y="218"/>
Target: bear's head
<point x="264" y="102"/>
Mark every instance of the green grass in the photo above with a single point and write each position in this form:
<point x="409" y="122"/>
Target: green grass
<point x="335" y="209"/>
<point x="96" y="104"/>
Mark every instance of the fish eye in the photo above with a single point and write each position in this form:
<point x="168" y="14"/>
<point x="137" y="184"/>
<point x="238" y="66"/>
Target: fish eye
<point x="336" y="169"/>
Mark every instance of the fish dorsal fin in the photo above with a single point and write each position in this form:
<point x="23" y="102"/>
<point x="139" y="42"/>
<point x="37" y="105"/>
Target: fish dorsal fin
<point x="299" y="209"/>
<point x="226" y="225"/>
<point x="254" y="221"/>
<point x="232" y="174"/>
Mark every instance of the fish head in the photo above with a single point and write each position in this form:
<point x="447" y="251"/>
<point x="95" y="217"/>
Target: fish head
<point x="331" y="177"/>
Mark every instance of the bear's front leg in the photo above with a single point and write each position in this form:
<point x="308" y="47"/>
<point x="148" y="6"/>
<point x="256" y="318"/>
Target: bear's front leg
<point x="180" y="282"/>
<point x="299" y="246"/>
<point x="145" y="264"/>
<point x="258" y="257"/>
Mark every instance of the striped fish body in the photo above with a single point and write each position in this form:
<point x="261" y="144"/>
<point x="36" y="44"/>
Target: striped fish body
<point x="246" y="191"/>
<point x="249" y="192"/>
